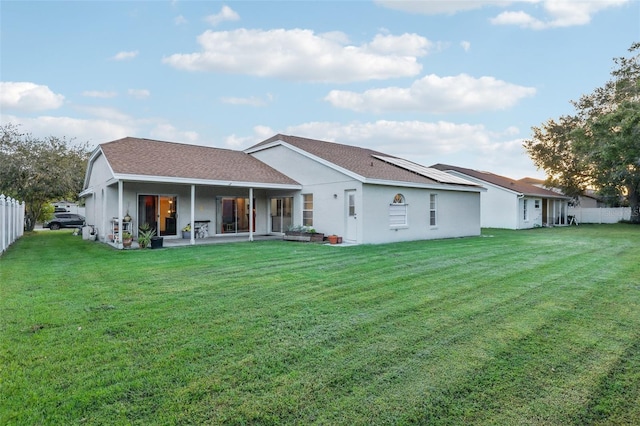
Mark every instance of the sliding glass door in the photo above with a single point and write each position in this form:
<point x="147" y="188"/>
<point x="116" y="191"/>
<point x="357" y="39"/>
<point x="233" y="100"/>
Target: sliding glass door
<point x="281" y="214"/>
<point x="233" y="215"/>
<point x="159" y="211"/>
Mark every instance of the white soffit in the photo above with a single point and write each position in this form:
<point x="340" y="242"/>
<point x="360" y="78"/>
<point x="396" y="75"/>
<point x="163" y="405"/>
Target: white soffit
<point x="428" y="172"/>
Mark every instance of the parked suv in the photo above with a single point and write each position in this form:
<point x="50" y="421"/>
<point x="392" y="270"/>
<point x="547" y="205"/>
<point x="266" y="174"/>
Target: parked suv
<point x="65" y="220"/>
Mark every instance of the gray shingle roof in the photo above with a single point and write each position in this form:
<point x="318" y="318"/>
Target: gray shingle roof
<point x="147" y="157"/>
<point x="502" y="181"/>
<point x="361" y="161"/>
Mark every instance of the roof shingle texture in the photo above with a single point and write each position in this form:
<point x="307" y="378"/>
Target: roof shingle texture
<point x="136" y="156"/>
<point x="352" y="158"/>
<point x="502" y="181"/>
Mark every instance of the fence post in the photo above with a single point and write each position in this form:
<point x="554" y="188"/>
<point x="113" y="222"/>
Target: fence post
<point x="3" y="227"/>
<point x="12" y="218"/>
<point x="23" y="207"/>
<point x="11" y="221"/>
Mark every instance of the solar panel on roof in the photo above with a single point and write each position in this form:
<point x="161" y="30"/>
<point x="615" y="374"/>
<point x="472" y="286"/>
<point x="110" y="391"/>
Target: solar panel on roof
<point x="428" y="172"/>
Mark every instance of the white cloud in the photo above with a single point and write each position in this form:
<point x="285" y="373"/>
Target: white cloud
<point x="167" y="132"/>
<point x="225" y="14"/>
<point x="105" y="113"/>
<point x="180" y="20"/>
<point x="93" y="131"/>
<point x="559" y="13"/>
<point x="433" y="94"/>
<point x="26" y="96"/>
<point x="250" y="101"/>
<point x="123" y="56"/>
<point x="303" y="55"/>
<point x="139" y="93"/>
<point x="99" y="94"/>
<point x="101" y="124"/>
<point x="405" y="44"/>
<point x="440" y="6"/>
<point x="466" y="46"/>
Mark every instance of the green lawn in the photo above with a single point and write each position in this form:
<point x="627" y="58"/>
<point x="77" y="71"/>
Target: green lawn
<point x="538" y="327"/>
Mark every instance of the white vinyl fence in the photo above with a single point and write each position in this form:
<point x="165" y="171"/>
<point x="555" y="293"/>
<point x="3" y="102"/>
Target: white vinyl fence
<point x="11" y="221"/>
<point x="600" y="214"/>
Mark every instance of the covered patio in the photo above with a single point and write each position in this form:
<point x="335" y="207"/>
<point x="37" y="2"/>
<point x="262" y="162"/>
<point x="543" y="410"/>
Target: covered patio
<point x="214" y="194"/>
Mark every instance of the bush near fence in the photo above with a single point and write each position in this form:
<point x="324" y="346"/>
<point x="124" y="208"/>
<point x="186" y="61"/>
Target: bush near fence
<point x="600" y="214"/>
<point x="11" y="221"/>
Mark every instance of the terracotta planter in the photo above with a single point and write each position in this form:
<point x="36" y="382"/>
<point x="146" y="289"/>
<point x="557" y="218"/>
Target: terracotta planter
<point x="333" y="239"/>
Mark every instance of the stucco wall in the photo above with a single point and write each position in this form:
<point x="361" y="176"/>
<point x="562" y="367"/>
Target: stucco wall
<point x="458" y="214"/>
<point x="327" y="185"/>
<point x="534" y="215"/>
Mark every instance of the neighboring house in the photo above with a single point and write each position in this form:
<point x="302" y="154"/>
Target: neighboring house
<point x="587" y="200"/>
<point x="362" y="195"/>
<point x="513" y="204"/>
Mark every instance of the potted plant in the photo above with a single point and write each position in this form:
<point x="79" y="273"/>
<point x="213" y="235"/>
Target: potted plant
<point x="145" y="233"/>
<point x="156" y="242"/>
<point x="186" y="231"/>
<point x="333" y="239"/>
<point x="127" y="239"/>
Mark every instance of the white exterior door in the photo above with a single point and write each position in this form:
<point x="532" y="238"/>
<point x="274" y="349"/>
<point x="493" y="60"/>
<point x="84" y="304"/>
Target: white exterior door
<point x="351" y="216"/>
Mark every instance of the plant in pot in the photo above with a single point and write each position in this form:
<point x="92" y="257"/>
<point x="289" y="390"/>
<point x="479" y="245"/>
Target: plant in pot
<point x="145" y="233"/>
<point x="127" y="239"/>
<point x="186" y="231"/>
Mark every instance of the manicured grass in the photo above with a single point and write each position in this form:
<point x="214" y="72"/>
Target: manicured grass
<point x="525" y="327"/>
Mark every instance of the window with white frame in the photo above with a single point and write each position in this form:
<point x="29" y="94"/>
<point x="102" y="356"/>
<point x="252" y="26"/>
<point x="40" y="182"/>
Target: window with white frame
<point x="398" y="212"/>
<point x="307" y="209"/>
<point x="525" y="210"/>
<point x="433" y="209"/>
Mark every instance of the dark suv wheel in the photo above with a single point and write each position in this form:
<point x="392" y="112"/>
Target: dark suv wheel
<point x="54" y="226"/>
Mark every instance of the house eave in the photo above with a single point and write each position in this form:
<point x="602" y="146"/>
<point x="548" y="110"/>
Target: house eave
<point x="204" y="182"/>
<point x="439" y="186"/>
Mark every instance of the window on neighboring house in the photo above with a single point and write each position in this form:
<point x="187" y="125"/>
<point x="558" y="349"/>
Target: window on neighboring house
<point x="526" y="213"/>
<point x="398" y="211"/>
<point x="307" y="209"/>
<point x="433" y="206"/>
<point x="537" y="204"/>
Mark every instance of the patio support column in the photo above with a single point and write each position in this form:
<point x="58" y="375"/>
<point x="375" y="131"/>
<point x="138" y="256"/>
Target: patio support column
<point x="192" y="219"/>
<point x="120" y="215"/>
<point x="251" y="214"/>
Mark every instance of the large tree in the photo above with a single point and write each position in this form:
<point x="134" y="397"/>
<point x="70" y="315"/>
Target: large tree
<point x="599" y="146"/>
<point x="39" y="171"/>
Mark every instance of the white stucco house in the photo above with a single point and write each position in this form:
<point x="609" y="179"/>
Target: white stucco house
<point x="513" y="204"/>
<point x="362" y="195"/>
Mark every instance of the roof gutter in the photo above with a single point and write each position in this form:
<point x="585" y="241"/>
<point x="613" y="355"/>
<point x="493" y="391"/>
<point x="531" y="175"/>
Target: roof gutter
<point x="206" y="182"/>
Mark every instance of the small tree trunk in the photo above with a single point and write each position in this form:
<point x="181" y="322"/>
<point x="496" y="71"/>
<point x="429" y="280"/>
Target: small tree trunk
<point x="634" y="203"/>
<point x="29" y="222"/>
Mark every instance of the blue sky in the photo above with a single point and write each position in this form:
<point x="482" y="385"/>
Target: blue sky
<point x="457" y="82"/>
